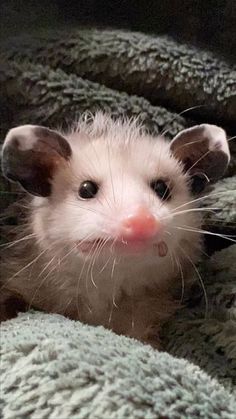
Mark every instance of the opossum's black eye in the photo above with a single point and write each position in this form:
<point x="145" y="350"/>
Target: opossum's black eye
<point x="161" y="189"/>
<point x="198" y="183"/>
<point x="88" y="189"/>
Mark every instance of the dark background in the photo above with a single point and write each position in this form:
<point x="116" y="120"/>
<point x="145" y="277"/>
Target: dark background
<point x="209" y="23"/>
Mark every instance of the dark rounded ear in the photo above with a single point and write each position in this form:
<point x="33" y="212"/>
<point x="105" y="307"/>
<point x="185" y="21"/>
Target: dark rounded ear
<point x="30" y="156"/>
<point x="204" y="152"/>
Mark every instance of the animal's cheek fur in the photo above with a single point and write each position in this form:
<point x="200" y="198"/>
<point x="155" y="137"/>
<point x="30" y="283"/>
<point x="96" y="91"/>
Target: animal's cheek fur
<point x="65" y="223"/>
<point x="185" y="243"/>
<point x="40" y="223"/>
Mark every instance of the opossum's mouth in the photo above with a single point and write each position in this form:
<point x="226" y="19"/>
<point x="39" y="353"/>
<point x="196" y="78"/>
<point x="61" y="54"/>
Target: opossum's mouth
<point x="90" y="246"/>
<point x="137" y="247"/>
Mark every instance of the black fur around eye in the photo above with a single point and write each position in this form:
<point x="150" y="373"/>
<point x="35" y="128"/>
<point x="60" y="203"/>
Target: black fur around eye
<point x="161" y="189"/>
<point x="198" y="183"/>
<point x="88" y="189"/>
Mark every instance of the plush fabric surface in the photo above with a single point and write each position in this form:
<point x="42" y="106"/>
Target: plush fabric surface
<point x="62" y="369"/>
<point x="52" y="367"/>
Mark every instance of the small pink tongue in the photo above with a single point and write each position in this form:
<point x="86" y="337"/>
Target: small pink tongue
<point x="162" y="249"/>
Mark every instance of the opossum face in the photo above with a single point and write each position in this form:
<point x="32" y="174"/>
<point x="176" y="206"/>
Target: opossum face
<point x="109" y="188"/>
<point x="119" y="199"/>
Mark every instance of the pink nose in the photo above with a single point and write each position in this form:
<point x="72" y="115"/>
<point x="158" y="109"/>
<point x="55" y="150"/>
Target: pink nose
<point x="141" y="225"/>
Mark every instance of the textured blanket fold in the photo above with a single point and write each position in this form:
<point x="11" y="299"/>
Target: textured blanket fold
<point x="63" y="369"/>
<point x="68" y="370"/>
<point x="159" y="69"/>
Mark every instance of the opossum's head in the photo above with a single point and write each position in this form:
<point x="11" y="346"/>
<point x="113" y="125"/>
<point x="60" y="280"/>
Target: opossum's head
<point x="110" y="188"/>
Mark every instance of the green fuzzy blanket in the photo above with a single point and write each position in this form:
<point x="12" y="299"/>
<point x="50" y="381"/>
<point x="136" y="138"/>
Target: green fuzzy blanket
<point x="52" y="367"/>
<point x="55" y="368"/>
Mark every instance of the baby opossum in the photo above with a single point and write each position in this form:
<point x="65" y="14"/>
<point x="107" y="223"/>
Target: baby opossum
<point x="114" y="218"/>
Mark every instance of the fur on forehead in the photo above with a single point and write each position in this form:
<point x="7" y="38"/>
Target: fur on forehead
<point x="102" y="126"/>
<point x="98" y="139"/>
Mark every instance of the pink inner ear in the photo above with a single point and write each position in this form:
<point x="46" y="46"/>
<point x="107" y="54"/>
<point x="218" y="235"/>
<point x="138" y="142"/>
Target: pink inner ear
<point x="218" y="145"/>
<point x="31" y="155"/>
<point x="202" y="149"/>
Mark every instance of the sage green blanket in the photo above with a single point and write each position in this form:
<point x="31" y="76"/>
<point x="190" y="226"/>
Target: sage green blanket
<point x="55" y="368"/>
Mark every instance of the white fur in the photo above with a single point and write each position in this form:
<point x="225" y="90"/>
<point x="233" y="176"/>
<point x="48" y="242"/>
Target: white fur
<point x="25" y="135"/>
<point x="123" y="160"/>
<point x="217" y="138"/>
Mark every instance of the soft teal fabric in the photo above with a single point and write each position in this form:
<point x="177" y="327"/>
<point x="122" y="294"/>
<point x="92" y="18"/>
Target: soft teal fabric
<point x="52" y="367"/>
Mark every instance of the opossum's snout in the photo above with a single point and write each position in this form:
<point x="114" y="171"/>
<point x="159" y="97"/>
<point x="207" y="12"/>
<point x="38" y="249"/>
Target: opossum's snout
<point x="140" y="225"/>
<point x="134" y="233"/>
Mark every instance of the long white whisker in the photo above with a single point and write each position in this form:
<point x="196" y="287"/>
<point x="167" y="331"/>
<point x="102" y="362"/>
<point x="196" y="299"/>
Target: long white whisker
<point x="199" y="199"/>
<point x="61" y="260"/>
<point x="76" y="205"/>
<point x="105" y="265"/>
<point x="81" y="273"/>
<point x="112" y="275"/>
<point x="191" y="210"/>
<point x="13" y="243"/>
<point x="23" y="269"/>
<point x="109" y="162"/>
<point x="96" y="253"/>
<point x="180" y="114"/>
<point x="46" y="266"/>
<point x="42" y="282"/>
<point x="223" y="236"/>
<point x="172" y="258"/>
<point x="101" y="191"/>
<point x="91" y="254"/>
<point x="200" y="279"/>
<point x="113" y="293"/>
<point x="178" y="263"/>
<point x="77" y="288"/>
<point x="197" y="161"/>
<point x="232" y="138"/>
